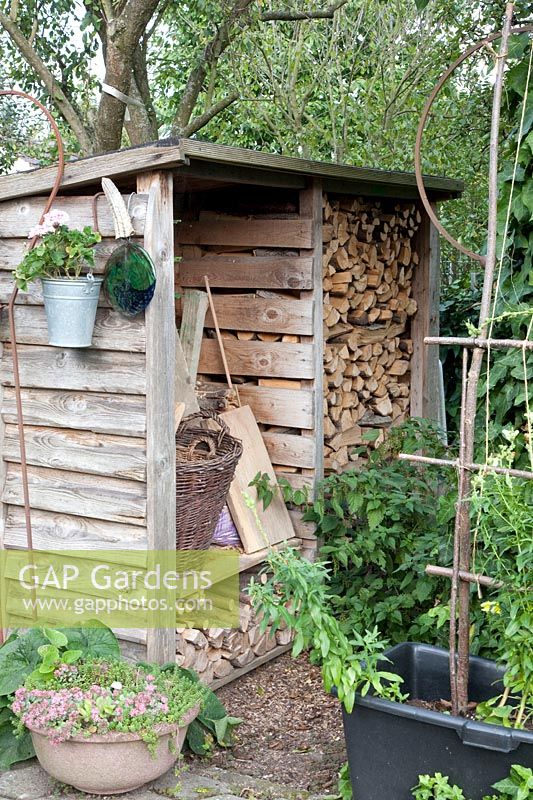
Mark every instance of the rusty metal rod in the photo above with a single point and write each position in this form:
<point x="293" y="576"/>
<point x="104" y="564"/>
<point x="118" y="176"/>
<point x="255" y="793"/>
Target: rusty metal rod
<point x="12" y="326"/>
<point x="468" y="577"/>
<point x="485" y="344"/>
<point x="448" y="462"/>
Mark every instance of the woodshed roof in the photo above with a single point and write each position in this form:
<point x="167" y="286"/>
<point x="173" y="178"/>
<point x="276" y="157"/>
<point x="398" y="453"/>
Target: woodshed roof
<point x="199" y="165"/>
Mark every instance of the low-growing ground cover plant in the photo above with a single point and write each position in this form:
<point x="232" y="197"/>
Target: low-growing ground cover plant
<point x="29" y="662"/>
<point x="100" y="696"/>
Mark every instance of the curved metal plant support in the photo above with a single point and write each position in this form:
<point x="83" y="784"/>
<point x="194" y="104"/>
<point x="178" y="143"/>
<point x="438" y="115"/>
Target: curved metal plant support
<point x="460" y="575"/>
<point x="422" y="124"/>
<point x="11" y="314"/>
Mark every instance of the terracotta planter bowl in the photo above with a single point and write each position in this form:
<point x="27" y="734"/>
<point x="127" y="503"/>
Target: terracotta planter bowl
<point x="112" y="763"/>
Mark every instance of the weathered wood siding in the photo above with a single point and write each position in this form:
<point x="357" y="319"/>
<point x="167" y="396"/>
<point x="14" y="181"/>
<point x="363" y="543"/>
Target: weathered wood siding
<point x="84" y="410"/>
<point x="261" y="251"/>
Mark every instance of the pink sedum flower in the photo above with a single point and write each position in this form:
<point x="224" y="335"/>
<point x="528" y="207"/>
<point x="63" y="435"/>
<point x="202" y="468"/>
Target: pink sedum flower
<point x="68" y="710"/>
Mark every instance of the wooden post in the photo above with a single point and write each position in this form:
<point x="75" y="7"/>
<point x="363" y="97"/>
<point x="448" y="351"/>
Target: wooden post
<point x="160" y="361"/>
<point x="311" y="208"/>
<point x="426" y="291"/>
<point x="194" y="308"/>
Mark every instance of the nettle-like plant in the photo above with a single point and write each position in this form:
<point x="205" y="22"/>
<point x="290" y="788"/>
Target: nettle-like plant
<point x="62" y="252"/>
<point x="378" y="527"/>
<point x="297" y="597"/>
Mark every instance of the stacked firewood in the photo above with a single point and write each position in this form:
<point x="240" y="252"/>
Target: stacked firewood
<point x="368" y="262"/>
<point x="216" y="653"/>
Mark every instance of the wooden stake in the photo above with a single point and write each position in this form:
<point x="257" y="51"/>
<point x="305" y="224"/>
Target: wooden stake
<point x="463" y="533"/>
<point x="220" y="342"/>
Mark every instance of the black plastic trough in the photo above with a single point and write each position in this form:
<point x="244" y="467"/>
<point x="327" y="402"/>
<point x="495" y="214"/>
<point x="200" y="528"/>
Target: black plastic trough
<point x="390" y="744"/>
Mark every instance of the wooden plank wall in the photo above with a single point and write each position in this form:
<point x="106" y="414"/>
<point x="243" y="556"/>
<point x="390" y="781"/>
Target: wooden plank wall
<point x="84" y="410"/>
<point x="425" y="380"/>
<point x="259" y="251"/>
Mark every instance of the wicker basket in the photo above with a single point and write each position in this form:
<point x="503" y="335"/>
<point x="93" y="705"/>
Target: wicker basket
<point x="205" y="465"/>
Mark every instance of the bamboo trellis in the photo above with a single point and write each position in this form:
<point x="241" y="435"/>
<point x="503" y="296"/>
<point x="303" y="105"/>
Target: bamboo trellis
<point x="461" y="575"/>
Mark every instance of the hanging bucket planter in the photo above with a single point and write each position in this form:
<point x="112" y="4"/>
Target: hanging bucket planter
<point x="70" y="305"/>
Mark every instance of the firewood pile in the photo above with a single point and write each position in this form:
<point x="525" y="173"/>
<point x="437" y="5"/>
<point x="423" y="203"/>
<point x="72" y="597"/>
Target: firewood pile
<point x="368" y="263"/>
<point x="216" y="653"/>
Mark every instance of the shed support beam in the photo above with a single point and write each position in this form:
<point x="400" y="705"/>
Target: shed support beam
<point x="311" y="208"/>
<point x="160" y="361"/>
<point x="426" y="290"/>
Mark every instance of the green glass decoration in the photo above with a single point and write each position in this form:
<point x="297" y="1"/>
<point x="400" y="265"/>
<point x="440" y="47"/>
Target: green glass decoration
<point x="129" y="279"/>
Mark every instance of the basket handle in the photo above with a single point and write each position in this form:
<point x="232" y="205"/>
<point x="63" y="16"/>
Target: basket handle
<point x="224" y="430"/>
<point x="201" y="440"/>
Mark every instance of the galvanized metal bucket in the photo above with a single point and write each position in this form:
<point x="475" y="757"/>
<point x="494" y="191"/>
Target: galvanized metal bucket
<point x="70" y="306"/>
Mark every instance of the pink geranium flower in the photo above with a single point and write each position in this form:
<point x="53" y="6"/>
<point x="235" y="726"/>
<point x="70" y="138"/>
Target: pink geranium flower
<point x="50" y="222"/>
<point x="57" y="217"/>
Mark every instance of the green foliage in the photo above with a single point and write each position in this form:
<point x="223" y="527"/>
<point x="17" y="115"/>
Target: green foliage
<point x="380" y="527"/>
<point x="266" y="491"/>
<point x="503" y="512"/>
<point x="459" y="306"/>
<point x="62" y="253"/>
<point x="297" y="596"/>
<point x="213" y="725"/>
<point x="506" y="386"/>
<point x="436" y="787"/>
<point x="20" y="657"/>
<point x="53" y="654"/>
<point x="344" y="784"/>
<point x="518" y="786"/>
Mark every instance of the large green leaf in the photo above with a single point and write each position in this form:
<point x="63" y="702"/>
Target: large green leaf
<point x="13" y="749"/>
<point x="94" y="640"/>
<point x="196" y="738"/>
<point x="18" y="658"/>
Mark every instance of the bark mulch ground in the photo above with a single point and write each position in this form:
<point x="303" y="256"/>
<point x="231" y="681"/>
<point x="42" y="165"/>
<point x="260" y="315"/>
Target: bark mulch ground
<point x="291" y="731"/>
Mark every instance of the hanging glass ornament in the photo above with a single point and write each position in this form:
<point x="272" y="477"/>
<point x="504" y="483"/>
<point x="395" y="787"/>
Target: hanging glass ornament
<point x="129" y="279"/>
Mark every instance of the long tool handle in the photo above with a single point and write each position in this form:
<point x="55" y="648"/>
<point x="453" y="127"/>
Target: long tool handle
<point x="220" y="341"/>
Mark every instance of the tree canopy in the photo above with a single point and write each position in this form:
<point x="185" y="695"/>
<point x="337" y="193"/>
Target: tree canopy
<point x="340" y="80"/>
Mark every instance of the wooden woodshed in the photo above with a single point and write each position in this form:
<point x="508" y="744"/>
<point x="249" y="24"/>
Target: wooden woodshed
<point x="325" y="279"/>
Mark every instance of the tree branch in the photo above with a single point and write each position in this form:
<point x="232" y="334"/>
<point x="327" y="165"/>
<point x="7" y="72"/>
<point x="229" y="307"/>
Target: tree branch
<point x="63" y="104"/>
<point x="14" y="10"/>
<point x="294" y="16"/>
<point x="142" y="126"/>
<point x="123" y="34"/>
<point x="210" y="56"/>
<point x="202" y="119"/>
